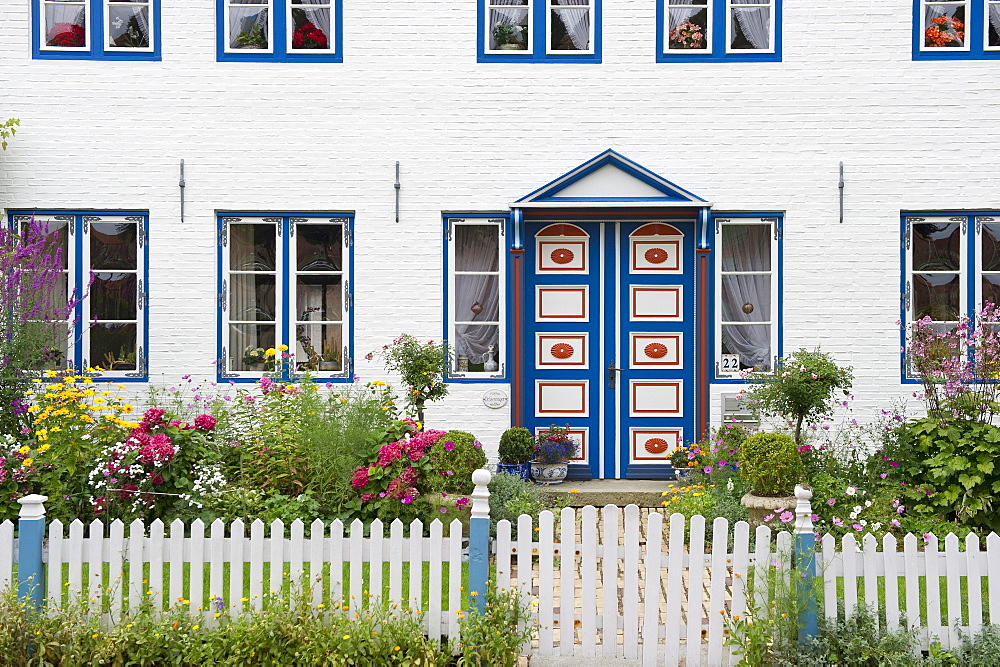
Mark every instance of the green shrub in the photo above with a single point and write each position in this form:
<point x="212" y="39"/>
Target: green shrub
<point x="856" y="641"/>
<point x="982" y="650"/>
<point x="454" y="457"/>
<point x="771" y="463"/>
<point x="494" y="637"/>
<point x="517" y="445"/>
<point x="510" y="497"/>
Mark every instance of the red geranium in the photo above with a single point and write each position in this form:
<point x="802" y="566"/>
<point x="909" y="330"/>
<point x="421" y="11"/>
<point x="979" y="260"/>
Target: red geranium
<point x="309" y="37"/>
<point x="67" y="34"/>
<point x="945" y="31"/>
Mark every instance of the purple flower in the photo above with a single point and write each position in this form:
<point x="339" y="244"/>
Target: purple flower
<point x="831" y="502"/>
<point x="707" y="469"/>
<point x="837" y="521"/>
<point x="722" y="463"/>
<point x="857" y="527"/>
<point x="449" y="446"/>
<point x="786" y="517"/>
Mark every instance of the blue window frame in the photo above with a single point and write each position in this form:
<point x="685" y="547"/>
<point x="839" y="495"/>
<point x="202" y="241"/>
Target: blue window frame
<point x="539" y="31"/>
<point x="104" y="265"/>
<point x="285" y="279"/>
<point x="748" y="308"/>
<point x="95" y="29"/>
<point x="476" y="296"/>
<point x="956" y="29"/>
<point x="279" y="30"/>
<point x="718" y="30"/>
<point x="951" y="267"/>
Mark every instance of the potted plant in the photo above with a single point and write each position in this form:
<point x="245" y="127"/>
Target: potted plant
<point x="505" y="37"/>
<point x="683" y="459"/>
<point x="254" y="38"/>
<point x="772" y="465"/>
<point x="553" y="449"/>
<point x="254" y="358"/>
<point x="517" y="446"/>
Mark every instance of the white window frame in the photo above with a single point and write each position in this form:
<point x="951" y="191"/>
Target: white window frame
<point x="42" y="27"/>
<point x="774" y="321"/>
<point x="269" y="5"/>
<point x="946" y="49"/>
<point x="330" y="35"/>
<point x="453" y="321"/>
<point x="986" y="25"/>
<point x="488" y="31"/>
<point x="549" y="6"/>
<point x="668" y="4"/>
<point x="979" y="221"/>
<point x="741" y="4"/>
<point x="105" y="27"/>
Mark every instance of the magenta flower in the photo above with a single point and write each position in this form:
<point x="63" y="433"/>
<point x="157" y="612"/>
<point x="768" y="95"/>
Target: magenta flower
<point x="857" y="527"/>
<point x="786" y="517"/>
<point x="722" y="463"/>
<point x="707" y="469"/>
<point x="204" y="422"/>
<point x="831" y="502"/>
<point x="449" y="446"/>
<point x="837" y="521"/>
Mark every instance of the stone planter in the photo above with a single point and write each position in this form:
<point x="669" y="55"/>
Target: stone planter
<point x="549" y="473"/>
<point x="760" y="506"/>
<point x="522" y="470"/>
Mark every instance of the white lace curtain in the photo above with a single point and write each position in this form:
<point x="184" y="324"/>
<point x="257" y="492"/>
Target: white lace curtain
<point x="749" y="252"/>
<point x="576" y="22"/>
<point x="478" y="250"/>
<point x="755" y="22"/>
<point x="243" y="19"/>
<point x="678" y="15"/>
<point x="995" y="17"/>
<point x="319" y="17"/>
<point x="63" y="13"/>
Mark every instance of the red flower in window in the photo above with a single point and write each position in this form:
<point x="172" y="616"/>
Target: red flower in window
<point x="945" y="31"/>
<point x="67" y="34"/>
<point x="309" y="37"/>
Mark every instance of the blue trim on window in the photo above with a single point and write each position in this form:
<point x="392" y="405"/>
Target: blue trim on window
<point x="508" y="263"/>
<point x="282" y="327"/>
<point x="779" y="272"/>
<point x="279" y="54"/>
<point x="539" y="39"/>
<point x="976" y="25"/>
<point x="718" y="38"/>
<point x="96" y="31"/>
<point x="79" y="282"/>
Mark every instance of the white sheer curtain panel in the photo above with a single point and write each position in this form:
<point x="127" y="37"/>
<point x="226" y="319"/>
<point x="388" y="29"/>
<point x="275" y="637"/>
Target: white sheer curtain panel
<point x="63" y="13"/>
<point x="755" y="22"/>
<point x="513" y="15"/>
<point x="934" y="11"/>
<point x="751" y="341"/>
<point x="477" y="251"/>
<point x="318" y="17"/>
<point x="678" y="15"/>
<point x="995" y="17"/>
<point x="243" y="19"/>
<point x="576" y="21"/>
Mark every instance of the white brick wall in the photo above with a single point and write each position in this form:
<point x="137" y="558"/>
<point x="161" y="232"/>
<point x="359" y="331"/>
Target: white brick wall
<point x="470" y="136"/>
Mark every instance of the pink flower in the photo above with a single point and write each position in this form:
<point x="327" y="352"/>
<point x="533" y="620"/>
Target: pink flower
<point x="204" y="422"/>
<point x="837" y="521"/>
<point x="786" y="517"/>
<point x="707" y="469"/>
<point x="805" y="449"/>
<point x="769" y="517"/>
<point x="831" y="502"/>
<point x="927" y="537"/>
<point x="894" y="522"/>
<point x="359" y="479"/>
<point x="857" y="527"/>
<point x="449" y="446"/>
<point x="722" y="463"/>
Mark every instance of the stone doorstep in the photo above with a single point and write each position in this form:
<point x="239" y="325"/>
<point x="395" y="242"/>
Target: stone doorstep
<point x="601" y="492"/>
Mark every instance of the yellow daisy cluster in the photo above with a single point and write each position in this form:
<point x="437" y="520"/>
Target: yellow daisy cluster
<point x="684" y="497"/>
<point x="73" y="405"/>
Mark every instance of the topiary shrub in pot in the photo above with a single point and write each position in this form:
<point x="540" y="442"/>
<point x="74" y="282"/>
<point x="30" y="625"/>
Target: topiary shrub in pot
<point x="454" y="457"/>
<point x="772" y="465"/>
<point x="517" y="447"/>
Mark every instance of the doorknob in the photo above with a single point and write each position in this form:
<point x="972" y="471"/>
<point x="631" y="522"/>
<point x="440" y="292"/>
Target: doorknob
<point x="612" y="374"/>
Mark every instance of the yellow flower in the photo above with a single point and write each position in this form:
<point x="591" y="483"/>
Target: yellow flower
<point x="347" y="636"/>
<point x="25" y="449"/>
<point x="282" y="347"/>
<point x="28" y="461"/>
<point x="270" y="352"/>
<point x="44" y="448"/>
<point x="36" y="380"/>
<point x="378" y="383"/>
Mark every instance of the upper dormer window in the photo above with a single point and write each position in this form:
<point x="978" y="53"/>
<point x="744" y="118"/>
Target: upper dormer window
<point x="540" y="30"/>
<point x="279" y="30"/>
<point x="96" y="29"/>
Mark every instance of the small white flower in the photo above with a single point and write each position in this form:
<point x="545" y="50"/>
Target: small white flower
<point x="868" y="503"/>
<point x="857" y="509"/>
<point x="877" y="525"/>
<point x="851" y="490"/>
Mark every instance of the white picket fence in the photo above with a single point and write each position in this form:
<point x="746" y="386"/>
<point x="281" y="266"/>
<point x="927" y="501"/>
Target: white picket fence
<point x="606" y="583"/>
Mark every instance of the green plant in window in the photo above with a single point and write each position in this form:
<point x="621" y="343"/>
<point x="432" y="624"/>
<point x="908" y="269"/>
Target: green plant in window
<point x="254" y="38"/>
<point x="505" y="33"/>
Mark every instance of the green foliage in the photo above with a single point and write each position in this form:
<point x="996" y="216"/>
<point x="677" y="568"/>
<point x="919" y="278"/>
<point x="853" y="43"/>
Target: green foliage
<point x="510" y="497"/>
<point x="856" y="641"/>
<point x="421" y="367"/>
<point x="982" y="650"/>
<point x="802" y="388"/>
<point x="254" y="38"/>
<point x="767" y="630"/>
<point x="771" y="463"/>
<point x="8" y="129"/>
<point x="494" y="638"/>
<point x="453" y="459"/>
<point x="517" y="445"/>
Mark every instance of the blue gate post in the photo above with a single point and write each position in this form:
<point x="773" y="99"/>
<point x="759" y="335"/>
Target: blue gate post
<point x="30" y="533"/>
<point x="479" y="539"/>
<point x="804" y="560"/>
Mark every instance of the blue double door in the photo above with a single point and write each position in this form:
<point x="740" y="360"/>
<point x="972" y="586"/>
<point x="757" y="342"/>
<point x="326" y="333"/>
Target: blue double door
<point x="609" y="320"/>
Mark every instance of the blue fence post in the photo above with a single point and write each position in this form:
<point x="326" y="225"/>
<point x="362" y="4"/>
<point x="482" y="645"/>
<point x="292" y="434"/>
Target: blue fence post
<point x="479" y="539"/>
<point x="804" y="559"/>
<point x="30" y="534"/>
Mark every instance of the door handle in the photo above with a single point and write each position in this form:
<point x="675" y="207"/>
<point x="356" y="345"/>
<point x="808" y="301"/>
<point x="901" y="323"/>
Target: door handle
<point x="612" y="374"/>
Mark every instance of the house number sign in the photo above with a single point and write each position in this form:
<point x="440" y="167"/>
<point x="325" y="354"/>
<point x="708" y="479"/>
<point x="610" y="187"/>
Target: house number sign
<point x="494" y="398"/>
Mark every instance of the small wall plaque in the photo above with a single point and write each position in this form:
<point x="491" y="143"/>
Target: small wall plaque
<point x="494" y="398"/>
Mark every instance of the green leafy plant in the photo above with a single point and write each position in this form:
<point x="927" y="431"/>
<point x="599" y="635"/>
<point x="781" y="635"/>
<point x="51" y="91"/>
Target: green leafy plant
<point x="494" y="637"/>
<point x="771" y="463"/>
<point x="453" y="459"/>
<point x="803" y="388"/>
<point x="517" y="445"/>
<point x="505" y="33"/>
<point x="510" y="497"/>
<point x="254" y="38"/>
<point x="421" y="366"/>
<point x="8" y="129"/>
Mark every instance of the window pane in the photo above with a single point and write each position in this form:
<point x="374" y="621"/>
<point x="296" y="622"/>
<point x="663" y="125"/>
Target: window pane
<point x="944" y="24"/>
<point x="113" y="346"/>
<point x="477" y="298"/>
<point x="252" y="298"/>
<point x="750" y="27"/>
<point x="473" y="345"/>
<point x="991" y="247"/>
<point x="936" y="247"/>
<point x="251" y="247"/>
<point x="310" y="26"/>
<point x="751" y="341"/>
<point x="936" y="295"/>
<point x="65" y="24"/>
<point x="113" y="296"/>
<point x="991" y="288"/>
<point x="319" y="347"/>
<point x="320" y="298"/>
<point x="319" y="247"/>
<point x="128" y="26"/>
<point x="49" y="343"/>
<point x="746" y="247"/>
<point x="113" y="246"/>
<point x="993" y="32"/>
<point x="746" y="298"/>
<point x="247" y="345"/>
<point x="508" y="25"/>
<point x="570" y="27"/>
<point x="248" y="24"/>
<point x="687" y="24"/>
<point x="477" y="248"/>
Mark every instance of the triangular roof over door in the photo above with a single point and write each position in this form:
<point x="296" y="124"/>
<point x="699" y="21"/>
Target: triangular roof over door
<point x="610" y="179"/>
